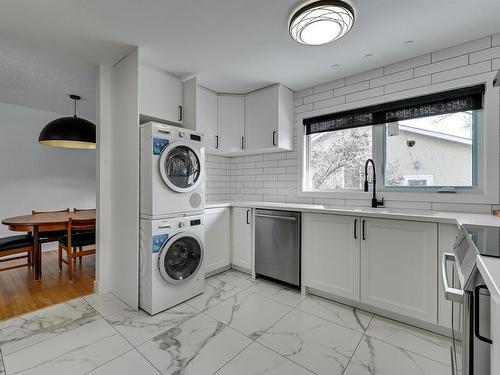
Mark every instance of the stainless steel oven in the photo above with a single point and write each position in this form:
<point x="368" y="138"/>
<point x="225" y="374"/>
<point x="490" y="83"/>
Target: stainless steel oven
<point x="471" y="294"/>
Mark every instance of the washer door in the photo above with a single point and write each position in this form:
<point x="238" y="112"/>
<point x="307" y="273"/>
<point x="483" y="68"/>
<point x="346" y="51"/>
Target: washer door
<point x="180" y="167"/>
<point x="180" y="258"/>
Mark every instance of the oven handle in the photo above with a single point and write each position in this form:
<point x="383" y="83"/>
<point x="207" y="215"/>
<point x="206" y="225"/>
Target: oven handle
<point x="450" y="294"/>
<point x="476" y="314"/>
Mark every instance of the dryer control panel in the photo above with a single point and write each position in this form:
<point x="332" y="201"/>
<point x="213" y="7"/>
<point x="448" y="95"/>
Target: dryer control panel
<point x="158" y="145"/>
<point x="158" y="242"/>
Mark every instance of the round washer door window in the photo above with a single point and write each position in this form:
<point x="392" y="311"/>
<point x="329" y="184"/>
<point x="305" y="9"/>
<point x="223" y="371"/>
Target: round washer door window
<point x="180" y="258"/>
<point x="180" y="167"/>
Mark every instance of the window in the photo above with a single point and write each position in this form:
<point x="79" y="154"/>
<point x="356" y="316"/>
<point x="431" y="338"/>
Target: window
<point x="337" y="158"/>
<point x="435" y="151"/>
<point x="424" y="143"/>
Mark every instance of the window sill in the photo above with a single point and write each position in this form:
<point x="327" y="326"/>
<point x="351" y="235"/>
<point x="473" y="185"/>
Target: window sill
<point x="461" y="196"/>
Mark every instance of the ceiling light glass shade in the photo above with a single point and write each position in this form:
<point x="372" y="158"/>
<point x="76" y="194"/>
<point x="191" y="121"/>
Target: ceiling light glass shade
<point x="321" y="22"/>
<point x="69" y="132"/>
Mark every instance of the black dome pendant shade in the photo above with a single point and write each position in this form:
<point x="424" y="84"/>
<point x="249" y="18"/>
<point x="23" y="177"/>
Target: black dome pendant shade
<point x="69" y="132"/>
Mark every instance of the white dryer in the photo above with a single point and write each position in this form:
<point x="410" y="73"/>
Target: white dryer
<point x="172" y="171"/>
<point x="171" y="262"/>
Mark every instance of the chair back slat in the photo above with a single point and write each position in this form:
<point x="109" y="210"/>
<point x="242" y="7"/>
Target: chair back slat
<point x="83" y="209"/>
<point x="80" y="224"/>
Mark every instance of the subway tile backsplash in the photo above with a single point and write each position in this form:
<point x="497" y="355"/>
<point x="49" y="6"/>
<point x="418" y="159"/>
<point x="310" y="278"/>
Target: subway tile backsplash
<point x="273" y="177"/>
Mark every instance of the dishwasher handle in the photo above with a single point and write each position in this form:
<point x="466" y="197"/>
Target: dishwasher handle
<point x="287" y="218"/>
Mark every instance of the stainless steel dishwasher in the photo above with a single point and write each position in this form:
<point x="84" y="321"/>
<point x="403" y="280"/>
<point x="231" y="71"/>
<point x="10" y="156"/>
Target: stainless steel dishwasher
<point x="277" y="245"/>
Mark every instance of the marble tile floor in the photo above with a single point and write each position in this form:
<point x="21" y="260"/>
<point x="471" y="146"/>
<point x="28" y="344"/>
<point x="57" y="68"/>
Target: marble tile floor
<point x="238" y="326"/>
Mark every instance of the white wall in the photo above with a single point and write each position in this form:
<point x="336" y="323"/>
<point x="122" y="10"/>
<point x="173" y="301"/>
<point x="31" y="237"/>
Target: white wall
<point x="273" y="177"/>
<point x="34" y="176"/>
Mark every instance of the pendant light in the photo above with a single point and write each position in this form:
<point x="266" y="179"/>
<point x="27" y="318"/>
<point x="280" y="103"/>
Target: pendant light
<point x="321" y="22"/>
<point x="69" y="132"/>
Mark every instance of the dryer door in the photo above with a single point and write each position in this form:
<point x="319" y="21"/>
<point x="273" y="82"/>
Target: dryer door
<point x="180" y="258"/>
<point x="180" y="167"/>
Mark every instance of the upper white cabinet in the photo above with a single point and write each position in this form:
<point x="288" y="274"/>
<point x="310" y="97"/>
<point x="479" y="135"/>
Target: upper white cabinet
<point x="206" y="116"/>
<point x="160" y="95"/>
<point x="241" y="241"/>
<point x="261" y="121"/>
<point x="399" y="267"/>
<point x="231" y="124"/>
<point x="217" y="239"/>
<point x="331" y="254"/>
<point x="269" y="119"/>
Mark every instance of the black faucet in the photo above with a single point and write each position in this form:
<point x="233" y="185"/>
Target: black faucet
<point x="375" y="202"/>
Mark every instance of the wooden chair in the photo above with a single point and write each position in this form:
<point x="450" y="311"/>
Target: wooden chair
<point x="18" y="244"/>
<point x="50" y="236"/>
<point x="79" y="210"/>
<point x="80" y="233"/>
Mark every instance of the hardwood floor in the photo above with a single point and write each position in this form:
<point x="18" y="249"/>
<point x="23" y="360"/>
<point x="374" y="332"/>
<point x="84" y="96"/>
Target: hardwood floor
<point x="21" y="293"/>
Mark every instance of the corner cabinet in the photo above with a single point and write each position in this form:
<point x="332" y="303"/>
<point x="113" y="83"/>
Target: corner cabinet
<point x="236" y="124"/>
<point x="217" y="239"/>
<point x="231" y="123"/>
<point x="241" y="239"/>
<point x="399" y="267"/>
<point x="207" y="117"/>
<point x="269" y="119"/>
<point x="331" y="254"/>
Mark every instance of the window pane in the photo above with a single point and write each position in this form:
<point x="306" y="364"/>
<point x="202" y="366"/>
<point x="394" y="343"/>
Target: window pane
<point x="337" y="158"/>
<point x="430" y="151"/>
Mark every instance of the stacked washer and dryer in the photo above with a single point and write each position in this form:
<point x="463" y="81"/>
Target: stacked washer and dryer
<point x="172" y="201"/>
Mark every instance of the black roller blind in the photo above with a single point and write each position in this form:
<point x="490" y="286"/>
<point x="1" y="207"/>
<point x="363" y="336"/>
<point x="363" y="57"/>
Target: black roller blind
<point x="464" y="99"/>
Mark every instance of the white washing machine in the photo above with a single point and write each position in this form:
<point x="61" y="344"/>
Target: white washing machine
<point x="172" y="171"/>
<point x="171" y="262"/>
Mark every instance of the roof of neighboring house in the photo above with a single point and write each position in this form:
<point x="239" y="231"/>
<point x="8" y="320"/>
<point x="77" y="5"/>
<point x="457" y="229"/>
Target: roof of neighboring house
<point x="430" y="133"/>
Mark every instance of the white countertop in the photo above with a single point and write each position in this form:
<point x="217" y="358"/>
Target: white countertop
<point x="490" y="270"/>
<point x="388" y="213"/>
<point x="488" y="266"/>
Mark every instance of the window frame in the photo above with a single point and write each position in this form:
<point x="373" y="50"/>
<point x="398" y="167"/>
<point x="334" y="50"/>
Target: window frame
<point x="488" y="166"/>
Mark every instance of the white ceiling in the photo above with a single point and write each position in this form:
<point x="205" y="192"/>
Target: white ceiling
<point x="241" y="45"/>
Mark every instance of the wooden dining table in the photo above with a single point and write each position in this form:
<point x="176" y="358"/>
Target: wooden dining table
<point x="44" y="222"/>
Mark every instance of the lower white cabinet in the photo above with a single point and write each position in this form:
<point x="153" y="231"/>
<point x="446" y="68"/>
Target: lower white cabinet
<point x="217" y="239"/>
<point x="241" y="238"/>
<point x="387" y="264"/>
<point x="399" y="267"/>
<point x="331" y="254"/>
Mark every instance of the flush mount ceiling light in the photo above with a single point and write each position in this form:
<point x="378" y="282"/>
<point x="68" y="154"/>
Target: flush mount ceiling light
<point x="321" y="22"/>
<point x="69" y="132"/>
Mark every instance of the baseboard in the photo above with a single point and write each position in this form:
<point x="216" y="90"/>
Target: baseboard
<point x="384" y="313"/>
<point x="217" y="271"/>
<point x="241" y="269"/>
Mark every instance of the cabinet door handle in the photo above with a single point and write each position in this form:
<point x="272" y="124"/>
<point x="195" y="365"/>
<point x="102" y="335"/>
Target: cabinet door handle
<point x="355" y="229"/>
<point x="248" y="216"/>
<point x="180" y="113"/>
<point x="216" y="142"/>
<point x="242" y="143"/>
<point x="477" y="289"/>
<point x="363" y="230"/>
<point x="274" y="137"/>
